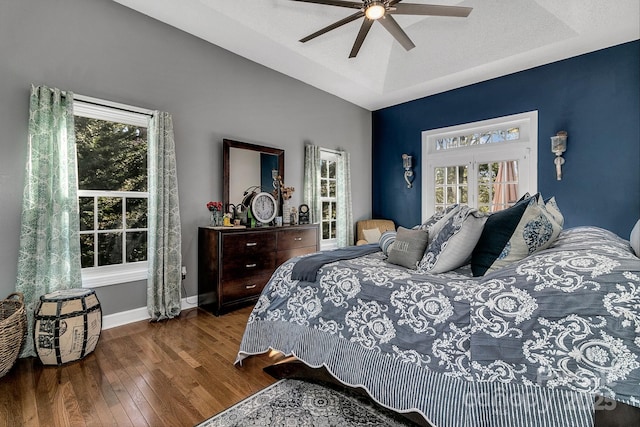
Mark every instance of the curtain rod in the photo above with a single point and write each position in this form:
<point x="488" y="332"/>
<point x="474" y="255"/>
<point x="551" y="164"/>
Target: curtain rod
<point x="114" y="105"/>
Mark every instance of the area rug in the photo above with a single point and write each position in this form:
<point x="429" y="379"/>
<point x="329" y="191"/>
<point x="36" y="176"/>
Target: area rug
<point x="295" y="403"/>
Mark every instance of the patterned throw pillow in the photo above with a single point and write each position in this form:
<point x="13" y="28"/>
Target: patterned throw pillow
<point x="408" y="248"/>
<point x="453" y="244"/>
<point x="437" y="221"/>
<point x="386" y="240"/>
<point x="513" y="234"/>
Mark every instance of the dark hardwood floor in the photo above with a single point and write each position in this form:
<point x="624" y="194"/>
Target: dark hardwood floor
<point x="173" y="373"/>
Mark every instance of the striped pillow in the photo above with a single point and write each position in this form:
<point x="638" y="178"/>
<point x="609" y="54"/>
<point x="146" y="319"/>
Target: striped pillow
<point x="386" y="240"/>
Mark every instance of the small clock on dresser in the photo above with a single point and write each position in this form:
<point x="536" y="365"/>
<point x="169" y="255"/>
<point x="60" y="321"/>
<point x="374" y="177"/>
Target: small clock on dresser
<point x="264" y="207"/>
<point x="303" y="214"/>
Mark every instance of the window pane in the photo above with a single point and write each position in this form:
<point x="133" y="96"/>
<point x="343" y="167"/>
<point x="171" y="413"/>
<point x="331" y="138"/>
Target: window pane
<point x="332" y="189"/>
<point x="451" y="175"/>
<point x="111" y="156"/>
<point x="333" y="229"/>
<point x="136" y="213"/>
<point x="86" y="213"/>
<point x="462" y="173"/>
<point x="439" y="195"/>
<point x="483" y="173"/>
<point x="451" y="195"/>
<point x="136" y="246"/>
<point x="86" y="250"/>
<point x="109" y="213"/>
<point x="439" y="174"/>
<point x="109" y="248"/>
<point x="325" y="231"/>
<point x="324" y="169"/>
<point x="332" y="170"/>
<point x="484" y="194"/>
<point x="324" y="188"/>
<point x="513" y="133"/>
<point x="326" y="211"/>
<point x="464" y="198"/>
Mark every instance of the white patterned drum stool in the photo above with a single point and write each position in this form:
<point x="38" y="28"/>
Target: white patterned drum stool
<point x="67" y="325"/>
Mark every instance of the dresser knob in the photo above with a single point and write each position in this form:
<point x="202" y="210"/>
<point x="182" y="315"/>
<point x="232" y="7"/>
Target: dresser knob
<point x="297" y="239"/>
<point x="251" y="243"/>
<point x="250" y="286"/>
<point x="250" y="265"/>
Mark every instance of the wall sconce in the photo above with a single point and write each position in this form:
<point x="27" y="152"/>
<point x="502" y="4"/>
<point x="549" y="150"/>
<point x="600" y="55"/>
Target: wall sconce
<point x="559" y="146"/>
<point x="408" y="173"/>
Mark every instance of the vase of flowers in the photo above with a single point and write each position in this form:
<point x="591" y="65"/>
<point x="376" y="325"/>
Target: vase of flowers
<point x="287" y="192"/>
<point x="282" y="195"/>
<point x="215" y="210"/>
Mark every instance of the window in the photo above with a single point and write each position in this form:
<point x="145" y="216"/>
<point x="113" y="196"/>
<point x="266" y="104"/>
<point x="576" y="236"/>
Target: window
<point x="328" y="197"/>
<point x="111" y="146"/>
<point x="488" y="165"/>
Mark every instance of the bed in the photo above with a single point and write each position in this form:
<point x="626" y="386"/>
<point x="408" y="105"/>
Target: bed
<point x="543" y="341"/>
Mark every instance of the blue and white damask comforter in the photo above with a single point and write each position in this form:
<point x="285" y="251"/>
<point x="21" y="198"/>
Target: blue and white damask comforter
<point x="531" y="344"/>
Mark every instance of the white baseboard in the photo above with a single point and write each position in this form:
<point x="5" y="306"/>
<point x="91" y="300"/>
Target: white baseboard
<point x="135" y="315"/>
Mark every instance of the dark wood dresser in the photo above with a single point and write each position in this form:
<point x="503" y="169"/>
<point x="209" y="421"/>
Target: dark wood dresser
<point x="234" y="264"/>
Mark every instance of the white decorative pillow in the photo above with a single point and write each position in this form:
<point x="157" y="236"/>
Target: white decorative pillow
<point x="372" y="235"/>
<point x="453" y="244"/>
<point x="635" y="238"/>
<point x="552" y="208"/>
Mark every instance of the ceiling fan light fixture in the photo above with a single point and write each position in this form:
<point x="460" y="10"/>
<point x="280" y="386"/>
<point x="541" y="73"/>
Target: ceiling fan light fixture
<point x="374" y="10"/>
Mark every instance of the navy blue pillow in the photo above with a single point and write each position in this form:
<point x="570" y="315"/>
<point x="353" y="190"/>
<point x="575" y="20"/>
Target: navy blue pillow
<point x="495" y="235"/>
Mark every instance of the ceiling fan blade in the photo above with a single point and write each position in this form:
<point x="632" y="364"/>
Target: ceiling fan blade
<point x="340" y="3"/>
<point x="431" y="9"/>
<point x="333" y="26"/>
<point x="364" y="30"/>
<point x="396" y="31"/>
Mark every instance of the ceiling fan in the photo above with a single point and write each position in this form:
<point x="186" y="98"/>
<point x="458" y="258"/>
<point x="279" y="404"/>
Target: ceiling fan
<point x="381" y="11"/>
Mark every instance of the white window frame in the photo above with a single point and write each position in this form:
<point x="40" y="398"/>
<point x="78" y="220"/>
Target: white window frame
<point x="329" y="155"/>
<point x="94" y="108"/>
<point x="524" y="150"/>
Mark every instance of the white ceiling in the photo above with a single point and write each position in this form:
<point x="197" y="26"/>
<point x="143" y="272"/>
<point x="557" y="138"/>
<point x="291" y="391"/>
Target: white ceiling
<point x="499" y="37"/>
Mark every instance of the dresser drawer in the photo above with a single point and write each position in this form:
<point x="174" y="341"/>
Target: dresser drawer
<point x="244" y="265"/>
<point x="240" y="244"/>
<point x="237" y="289"/>
<point x="297" y="238"/>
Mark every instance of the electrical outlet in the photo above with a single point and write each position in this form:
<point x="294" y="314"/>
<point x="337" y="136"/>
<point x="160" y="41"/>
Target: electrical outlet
<point x="184" y="272"/>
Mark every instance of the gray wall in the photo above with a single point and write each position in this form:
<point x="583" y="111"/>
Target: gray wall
<point x="102" y="49"/>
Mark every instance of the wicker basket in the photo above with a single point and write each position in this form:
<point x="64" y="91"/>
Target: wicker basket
<point x="13" y="329"/>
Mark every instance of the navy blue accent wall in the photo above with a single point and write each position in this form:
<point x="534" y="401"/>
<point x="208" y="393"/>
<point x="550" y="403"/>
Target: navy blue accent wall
<point x="594" y="97"/>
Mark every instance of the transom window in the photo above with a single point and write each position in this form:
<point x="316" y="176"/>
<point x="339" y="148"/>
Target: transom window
<point x="111" y="146"/>
<point x="488" y="165"/>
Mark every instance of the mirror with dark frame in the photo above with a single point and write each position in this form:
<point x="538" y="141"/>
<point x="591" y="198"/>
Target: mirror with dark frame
<point x="247" y="169"/>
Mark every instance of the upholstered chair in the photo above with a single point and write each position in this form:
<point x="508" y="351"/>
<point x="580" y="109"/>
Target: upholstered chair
<point x="367" y="229"/>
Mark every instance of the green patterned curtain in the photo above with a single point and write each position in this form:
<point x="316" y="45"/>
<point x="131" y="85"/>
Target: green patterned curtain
<point x="49" y="257"/>
<point x="165" y="255"/>
<point x="311" y="194"/>
<point x="344" y="215"/>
